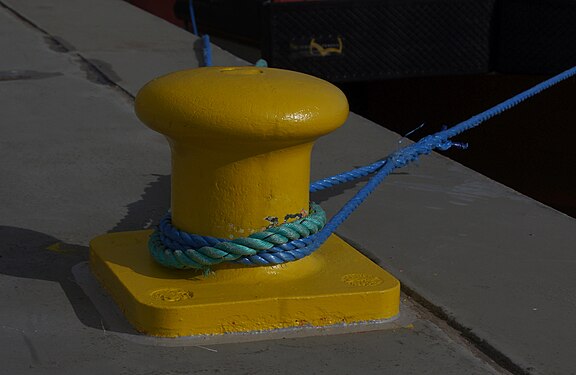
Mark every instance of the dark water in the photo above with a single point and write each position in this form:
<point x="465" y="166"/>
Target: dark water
<point x="530" y="148"/>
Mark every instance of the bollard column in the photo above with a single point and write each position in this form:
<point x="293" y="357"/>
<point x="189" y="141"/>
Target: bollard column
<point x="241" y="140"/>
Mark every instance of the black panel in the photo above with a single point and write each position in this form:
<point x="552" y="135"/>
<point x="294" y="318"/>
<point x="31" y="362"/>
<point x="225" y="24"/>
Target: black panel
<point x="365" y="40"/>
<point x="536" y="37"/>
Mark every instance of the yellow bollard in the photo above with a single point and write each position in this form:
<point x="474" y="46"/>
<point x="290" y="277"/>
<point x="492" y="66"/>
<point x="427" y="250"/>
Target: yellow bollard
<point x="241" y="139"/>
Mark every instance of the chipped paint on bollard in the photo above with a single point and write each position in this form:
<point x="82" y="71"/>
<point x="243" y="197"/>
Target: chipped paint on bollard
<point x="241" y="140"/>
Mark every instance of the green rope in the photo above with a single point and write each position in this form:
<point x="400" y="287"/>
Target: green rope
<point x="176" y="249"/>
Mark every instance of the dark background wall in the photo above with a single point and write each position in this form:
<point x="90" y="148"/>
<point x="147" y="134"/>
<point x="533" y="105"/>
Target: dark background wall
<point x="530" y="148"/>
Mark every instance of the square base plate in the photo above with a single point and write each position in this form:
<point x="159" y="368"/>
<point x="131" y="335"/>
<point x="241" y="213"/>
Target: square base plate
<point x="336" y="284"/>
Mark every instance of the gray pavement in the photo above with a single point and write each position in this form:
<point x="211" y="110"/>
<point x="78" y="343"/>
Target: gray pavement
<point x="491" y="270"/>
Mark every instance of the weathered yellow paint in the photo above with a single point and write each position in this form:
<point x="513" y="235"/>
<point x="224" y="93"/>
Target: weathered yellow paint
<point x="55" y="247"/>
<point x="314" y="291"/>
<point x="241" y="140"/>
<point x="61" y="248"/>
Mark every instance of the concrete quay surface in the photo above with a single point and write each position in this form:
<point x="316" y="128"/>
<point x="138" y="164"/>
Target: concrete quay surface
<point x="488" y="274"/>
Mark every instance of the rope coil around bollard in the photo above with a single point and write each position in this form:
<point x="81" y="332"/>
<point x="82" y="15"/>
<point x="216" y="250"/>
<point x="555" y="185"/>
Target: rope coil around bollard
<point x="174" y="248"/>
<point x="288" y="242"/>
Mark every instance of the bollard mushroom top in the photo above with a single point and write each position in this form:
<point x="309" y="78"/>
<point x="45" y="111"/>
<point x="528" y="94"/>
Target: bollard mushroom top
<point x="241" y="104"/>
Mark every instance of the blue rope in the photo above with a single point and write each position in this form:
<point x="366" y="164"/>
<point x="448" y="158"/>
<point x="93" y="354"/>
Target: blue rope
<point x="206" y="47"/>
<point x="192" y="17"/>
<point x="207" y="50"/>
<point x="507" y="104"/>
<point x="348" y="176"/>
<point x="298" y="248"/>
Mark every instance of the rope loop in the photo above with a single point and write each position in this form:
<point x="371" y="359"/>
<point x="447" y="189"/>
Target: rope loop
<point x="177" y="249"/>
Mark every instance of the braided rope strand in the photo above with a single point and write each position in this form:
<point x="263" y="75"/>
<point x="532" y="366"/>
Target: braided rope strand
<point x="174" y="248"/>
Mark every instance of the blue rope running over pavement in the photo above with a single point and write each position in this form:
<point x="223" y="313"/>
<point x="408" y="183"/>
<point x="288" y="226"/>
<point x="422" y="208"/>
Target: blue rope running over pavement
<point x="292" y="241"/>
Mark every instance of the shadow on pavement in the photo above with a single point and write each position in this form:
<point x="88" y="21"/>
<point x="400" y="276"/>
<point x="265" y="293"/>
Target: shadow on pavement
<point x="147" y="212"/>
<point x="29" y="254"/>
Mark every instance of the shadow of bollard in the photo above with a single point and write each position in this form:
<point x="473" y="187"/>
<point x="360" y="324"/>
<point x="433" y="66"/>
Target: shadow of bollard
<point x="147" y="211"/>
<point x="29" y="254"/>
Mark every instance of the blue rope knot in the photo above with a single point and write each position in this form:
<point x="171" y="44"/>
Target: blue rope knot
<point x="424" y="146"/>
